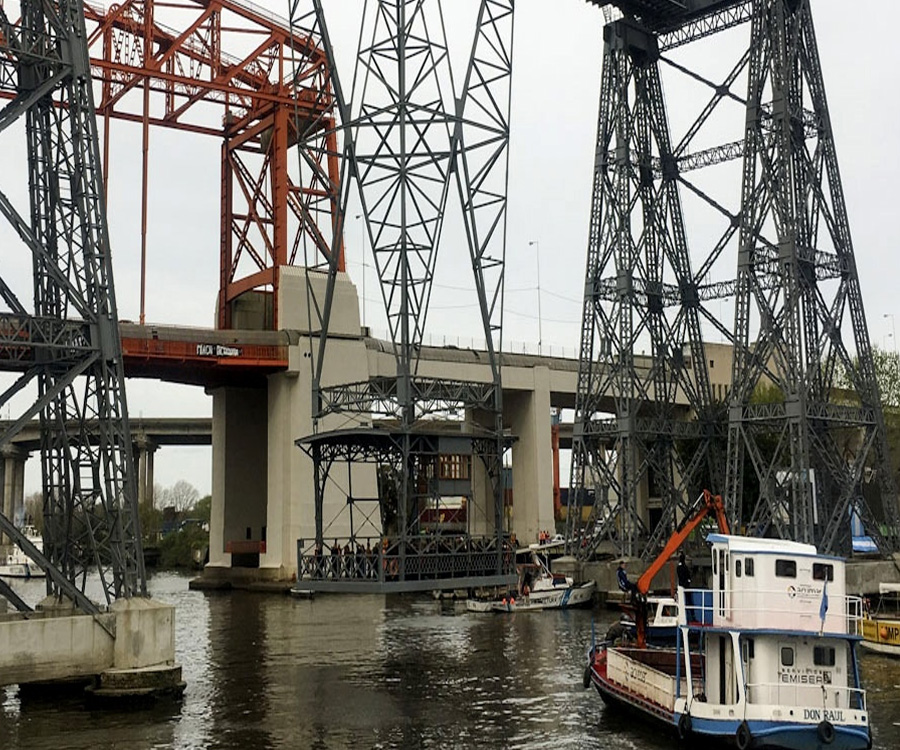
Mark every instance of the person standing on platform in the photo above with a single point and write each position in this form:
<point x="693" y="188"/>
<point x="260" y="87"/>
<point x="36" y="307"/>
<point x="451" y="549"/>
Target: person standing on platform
<point x="684" y="581"/>
<point x="622" y="578"/>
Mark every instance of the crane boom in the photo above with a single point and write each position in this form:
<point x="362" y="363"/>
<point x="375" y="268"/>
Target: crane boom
<point x="704" y="505"/>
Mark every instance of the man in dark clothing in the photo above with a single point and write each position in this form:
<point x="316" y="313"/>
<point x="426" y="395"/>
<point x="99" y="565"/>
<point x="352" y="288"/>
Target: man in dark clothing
<point x="622" y="577"/>
<point x="683" y="572"/>
<point x="684" y="581"/>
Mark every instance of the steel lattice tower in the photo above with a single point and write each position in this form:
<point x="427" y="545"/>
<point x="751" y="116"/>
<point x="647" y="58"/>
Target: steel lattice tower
<point x="794" y="287"/>
<point x="412" y="138"/>
<point x="66" y="346"/>
<point x="810" y="447"/>
<point x="640" y="291"/>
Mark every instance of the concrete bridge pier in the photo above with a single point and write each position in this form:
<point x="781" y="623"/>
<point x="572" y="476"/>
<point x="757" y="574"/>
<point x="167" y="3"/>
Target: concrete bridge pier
<point x="527" y="414"/>
<point x="12" y="485"/>
<point x="145" y="449"/>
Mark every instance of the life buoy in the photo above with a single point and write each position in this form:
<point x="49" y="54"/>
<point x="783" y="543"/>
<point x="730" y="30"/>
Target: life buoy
<point x="743" y="738"/>
<point x="825" y="731"/>
<point x="587" y="677"/>
<point x="685" y="725"/>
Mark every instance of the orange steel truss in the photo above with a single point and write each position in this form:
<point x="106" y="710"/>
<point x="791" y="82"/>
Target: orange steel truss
<point x="176" y="64"/>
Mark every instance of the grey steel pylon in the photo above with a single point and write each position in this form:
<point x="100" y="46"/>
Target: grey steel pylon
<point x="65" y="344"/>
<point x="799" y="318"/>
<point x="641" y="419"/>
<point x="419" y="147"/>
<point x="803" y="459"/>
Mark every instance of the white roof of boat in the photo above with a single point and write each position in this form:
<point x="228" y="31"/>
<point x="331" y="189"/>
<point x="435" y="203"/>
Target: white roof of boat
<point x="889" y="588"/>
<point x="758" y="544"/>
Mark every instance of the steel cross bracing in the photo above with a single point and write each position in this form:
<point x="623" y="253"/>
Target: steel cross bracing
<point x="64" y="342"/>
<point x="810" y="450"/>
<point x="640" y="290"/>
<point x="421" y="148"/>
<point x="235" y="71"/>
<point x="793" y="275"/>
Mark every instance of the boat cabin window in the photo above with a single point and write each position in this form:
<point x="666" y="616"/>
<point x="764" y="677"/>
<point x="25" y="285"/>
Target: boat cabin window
<point x="670" y="610"/>
<point x="737" y="568"/>
<point x="786" y="568"/>
<point x="823" y="572"/>
<point x="787" y="656"/>
<point x="748" y="567"/>
<point x="823" y="656"/>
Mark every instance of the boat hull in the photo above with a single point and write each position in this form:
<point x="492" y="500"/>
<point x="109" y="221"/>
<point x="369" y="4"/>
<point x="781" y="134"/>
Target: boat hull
<point x="562" y="598"/>
<point x="881" y="635"/>
<point x="21" y="570"/>
<point x="743" y="734"/>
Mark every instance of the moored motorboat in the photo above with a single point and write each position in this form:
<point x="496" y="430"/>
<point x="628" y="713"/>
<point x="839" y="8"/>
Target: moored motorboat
<point x="662" y="621"/>
<point x="538" y="589"/>
<point x="881" y="625"/>
<point x="16" y="564"/>
<point x="765" y="658"/>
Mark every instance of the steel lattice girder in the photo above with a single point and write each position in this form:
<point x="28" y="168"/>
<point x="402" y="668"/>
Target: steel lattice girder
<point x="272" y="85"/>
<point x="68" y="345"/>
<point x="809" y="485"/>
<point x="409" y="136"/>
<point x="637" y="236"/>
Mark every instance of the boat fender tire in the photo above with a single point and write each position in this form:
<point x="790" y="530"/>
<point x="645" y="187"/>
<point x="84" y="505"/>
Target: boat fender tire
<point x="685" y="725"/>
<point x="586" y="680"/>
<point x="743" y="738"/>
<point x="825" y="731"/>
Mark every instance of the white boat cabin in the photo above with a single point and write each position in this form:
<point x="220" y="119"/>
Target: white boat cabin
<point x="778" y="637"/>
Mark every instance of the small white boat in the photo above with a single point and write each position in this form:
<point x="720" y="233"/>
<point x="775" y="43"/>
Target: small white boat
<point x="881" y="627"/>
<point x="538" y="589"/>
<point x="16" y="564"/>
<point x="662" y="622"/>
<point x="775" y="664"/>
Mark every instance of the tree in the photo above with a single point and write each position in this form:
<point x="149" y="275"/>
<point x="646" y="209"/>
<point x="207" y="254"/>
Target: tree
<point x="887" y="373"/>
<point x="34" y="510"/>
<point x="182" y="496"/>
<point x="203" y="508"/>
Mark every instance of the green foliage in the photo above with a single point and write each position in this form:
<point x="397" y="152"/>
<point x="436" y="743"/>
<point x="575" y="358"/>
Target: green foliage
<point x="766" y="393"/>
<point x="202" y="508"/>
<point x="151" y="522"/>
<point x="186" y="522"/>
<point x="887" y="373"/>
<point x="176" y="550"/>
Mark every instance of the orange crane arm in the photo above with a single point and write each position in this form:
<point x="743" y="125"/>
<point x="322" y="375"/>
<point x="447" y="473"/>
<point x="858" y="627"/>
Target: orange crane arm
<point x="707" y="503"/>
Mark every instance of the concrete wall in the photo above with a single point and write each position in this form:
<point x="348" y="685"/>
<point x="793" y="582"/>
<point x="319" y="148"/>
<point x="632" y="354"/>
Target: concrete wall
<point x="55" y="644"/>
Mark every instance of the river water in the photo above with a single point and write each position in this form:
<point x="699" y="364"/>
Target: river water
<point x="268" y="671"/>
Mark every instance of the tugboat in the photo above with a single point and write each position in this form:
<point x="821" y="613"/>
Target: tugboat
<point x="765" y="658"/>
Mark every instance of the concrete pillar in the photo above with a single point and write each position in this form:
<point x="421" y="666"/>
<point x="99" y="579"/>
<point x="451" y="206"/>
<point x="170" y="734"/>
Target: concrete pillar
<point x="239" y="486"/>
<point x="12" y="485"/>
<point x="480" y="507"/>
<point x="528" y="415"/>
<point x="145" y="449"/>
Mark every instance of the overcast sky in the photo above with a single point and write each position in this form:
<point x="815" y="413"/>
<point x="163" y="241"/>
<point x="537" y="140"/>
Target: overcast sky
<point x="558" y="52"/>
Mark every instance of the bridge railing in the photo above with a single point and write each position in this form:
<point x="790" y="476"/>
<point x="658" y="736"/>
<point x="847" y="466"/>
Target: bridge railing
<point x="420" y="560"/>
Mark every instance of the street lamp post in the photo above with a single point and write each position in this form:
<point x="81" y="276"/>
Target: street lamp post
<point x="537" y="254"/>
<point x="362" y="255"/>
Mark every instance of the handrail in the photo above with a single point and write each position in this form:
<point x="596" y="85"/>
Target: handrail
<point x="847" y="607"/>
